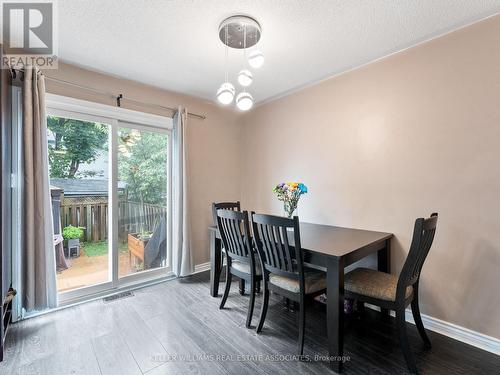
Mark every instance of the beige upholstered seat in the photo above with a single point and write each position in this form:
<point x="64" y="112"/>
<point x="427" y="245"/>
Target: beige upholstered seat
<point x="245" y="267"/>
<point x="372" y="283"/>
<point x="314" y="281"/>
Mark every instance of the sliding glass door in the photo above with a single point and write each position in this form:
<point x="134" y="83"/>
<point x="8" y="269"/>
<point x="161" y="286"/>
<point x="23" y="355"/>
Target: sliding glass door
<point x="79" y="182"/>
<point x="111" y="188"/>
<point x="143" y="181"/>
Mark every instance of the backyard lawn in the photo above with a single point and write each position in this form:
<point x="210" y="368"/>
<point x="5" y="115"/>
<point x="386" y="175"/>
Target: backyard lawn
<point x="94" y="249"/>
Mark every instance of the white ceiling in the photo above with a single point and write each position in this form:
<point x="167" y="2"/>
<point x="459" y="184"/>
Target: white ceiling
<point x="174" y="44"/>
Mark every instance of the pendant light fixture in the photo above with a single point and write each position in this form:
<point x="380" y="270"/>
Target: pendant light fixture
<point x="225" y="93"/>
<point x="244" y="101"/>
<point x="240" y="32"/>
<point x="256" y="59"/>
<point x="245" y="77"/>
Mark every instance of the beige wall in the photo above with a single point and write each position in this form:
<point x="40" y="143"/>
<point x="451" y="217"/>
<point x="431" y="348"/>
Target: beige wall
<point x="212" y="174"/>
<point x="398" y="139"/>
<point x="379" y="146"/>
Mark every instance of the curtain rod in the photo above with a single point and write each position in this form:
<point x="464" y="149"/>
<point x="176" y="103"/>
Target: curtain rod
<point x="118" y="98"/>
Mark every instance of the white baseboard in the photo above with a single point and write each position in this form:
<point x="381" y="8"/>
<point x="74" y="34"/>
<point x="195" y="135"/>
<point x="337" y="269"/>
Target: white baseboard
<point x="456" y="332"/>
<point x="468" y="336"/>
<point x="201" y="267"/>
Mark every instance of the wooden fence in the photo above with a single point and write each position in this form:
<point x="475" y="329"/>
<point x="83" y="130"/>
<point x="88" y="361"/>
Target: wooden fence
<point x="91" y="213"/>
<point x="136" y="217"/>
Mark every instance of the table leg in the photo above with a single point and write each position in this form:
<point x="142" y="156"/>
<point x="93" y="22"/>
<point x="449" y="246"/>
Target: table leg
<point x="384" y="265"/>
<point x="335" y="311"/>
<point x="215" y="263"/>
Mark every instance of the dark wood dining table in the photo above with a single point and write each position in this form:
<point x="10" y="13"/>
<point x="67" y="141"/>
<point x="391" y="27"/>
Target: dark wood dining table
<point x="332" y="249"/>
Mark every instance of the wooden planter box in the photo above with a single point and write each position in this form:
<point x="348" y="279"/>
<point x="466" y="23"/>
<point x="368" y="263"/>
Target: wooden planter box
<point x="136" y="246"/>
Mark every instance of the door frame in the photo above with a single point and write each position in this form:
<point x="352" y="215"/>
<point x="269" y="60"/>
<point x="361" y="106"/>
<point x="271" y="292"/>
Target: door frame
<point x="17" y="208"/>
<point x="117" y="117"/>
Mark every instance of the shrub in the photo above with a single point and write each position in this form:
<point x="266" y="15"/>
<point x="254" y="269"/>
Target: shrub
<point x="72" y="233"/>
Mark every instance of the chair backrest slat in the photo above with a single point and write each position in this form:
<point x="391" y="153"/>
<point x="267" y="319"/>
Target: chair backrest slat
<point x="241" y="239"/>
<point x="423" y="237"/>
<point x="288" y="257"/>
<point x="267" y="245"/>
<point x="234" y="229"/>
<point x="233" y="235"/>
<point x="280" y="247"/>
<point x="234" y="206"/>
<point x="273" y="245"/>
<point x="225" y="230"/>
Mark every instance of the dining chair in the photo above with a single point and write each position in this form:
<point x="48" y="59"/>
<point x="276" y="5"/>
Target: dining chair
<point x="396" y="293"/>
<point x="234" y="229"/>
<point x="283" y="267"/>
<point x="235" y="206"/>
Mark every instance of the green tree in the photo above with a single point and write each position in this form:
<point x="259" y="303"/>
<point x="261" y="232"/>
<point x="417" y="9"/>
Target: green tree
<point x="142" y="164"/>
<point x="76" y="143"/>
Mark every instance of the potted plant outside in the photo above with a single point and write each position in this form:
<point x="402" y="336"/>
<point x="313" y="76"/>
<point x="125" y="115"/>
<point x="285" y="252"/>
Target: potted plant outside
<point x="72" y="237"/>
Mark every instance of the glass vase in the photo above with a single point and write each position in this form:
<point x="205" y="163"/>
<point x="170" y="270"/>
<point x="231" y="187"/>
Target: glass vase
<point x="290" y="215"/>
<point x="290" y="211"/>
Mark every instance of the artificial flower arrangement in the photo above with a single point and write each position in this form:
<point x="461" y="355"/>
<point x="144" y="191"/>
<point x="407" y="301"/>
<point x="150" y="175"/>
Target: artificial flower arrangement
<point x="289" y="193"/>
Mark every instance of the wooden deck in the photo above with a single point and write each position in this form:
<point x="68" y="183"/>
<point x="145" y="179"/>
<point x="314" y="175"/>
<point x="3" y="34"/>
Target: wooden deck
<point x="86" y="271"/>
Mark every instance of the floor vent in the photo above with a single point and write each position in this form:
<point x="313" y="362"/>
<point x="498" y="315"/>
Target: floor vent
<point x="114" y="297"/>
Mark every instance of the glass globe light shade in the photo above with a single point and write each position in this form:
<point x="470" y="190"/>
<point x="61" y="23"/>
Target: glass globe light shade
<point x="245" y="78"/>
<point x="225" y="93"/>
<point x="256" y="59"/>
<point x="244" y="101"/>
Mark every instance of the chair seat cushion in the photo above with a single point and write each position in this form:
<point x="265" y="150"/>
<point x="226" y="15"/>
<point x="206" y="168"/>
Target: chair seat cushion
<point x="245" y="267"/>
<point x="374" y="284"/>
<point x="314" y="280"/>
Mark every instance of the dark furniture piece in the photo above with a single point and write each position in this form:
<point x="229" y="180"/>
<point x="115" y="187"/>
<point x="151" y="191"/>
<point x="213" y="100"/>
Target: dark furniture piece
<point x="149" y="250"/>
<point x="283" y="267"/>
<point x="395" y="293"/>
<point x="218" y="260"/>
<point x="241" y="260"/>
<point x="5" y="202"/>
<point x="332" y="248"/>
<point x="234" y="206"/>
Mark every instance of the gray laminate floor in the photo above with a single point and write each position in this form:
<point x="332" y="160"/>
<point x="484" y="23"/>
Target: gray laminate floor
<point x="176" y="328"/>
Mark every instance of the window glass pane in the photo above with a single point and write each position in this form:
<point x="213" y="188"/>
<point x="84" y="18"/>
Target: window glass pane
<point x="78" y="167"/>
<point x="142" y="194"/>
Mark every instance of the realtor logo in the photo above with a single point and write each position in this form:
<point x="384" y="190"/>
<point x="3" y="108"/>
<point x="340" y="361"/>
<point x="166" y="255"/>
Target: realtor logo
<point x="28" y="34"/>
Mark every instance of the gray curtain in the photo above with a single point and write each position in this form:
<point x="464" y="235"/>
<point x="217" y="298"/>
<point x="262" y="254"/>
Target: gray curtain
<point x="39" y="289"/>
<point x="182" y="257"/>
